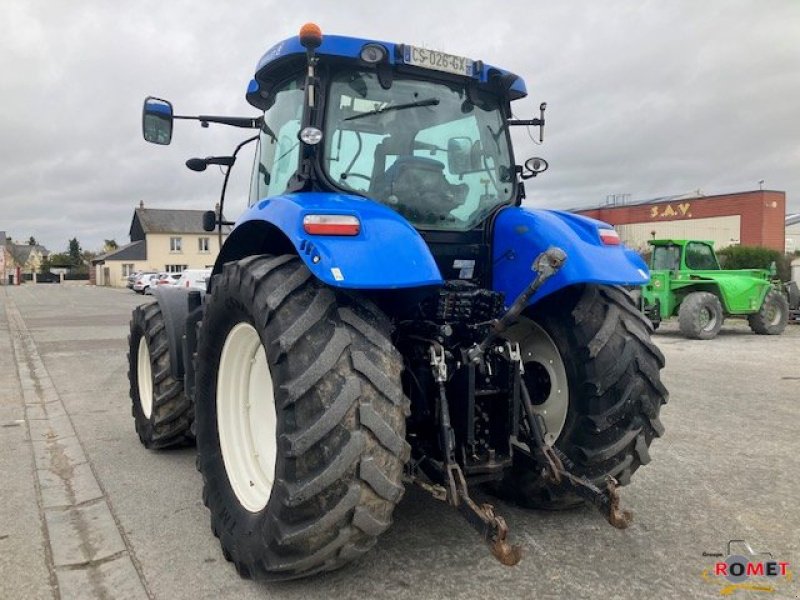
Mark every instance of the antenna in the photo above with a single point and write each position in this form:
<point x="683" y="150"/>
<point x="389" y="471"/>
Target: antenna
<point x="617" y="199"/>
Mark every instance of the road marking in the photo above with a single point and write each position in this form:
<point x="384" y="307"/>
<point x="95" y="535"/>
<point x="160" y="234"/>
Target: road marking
<point x="87" y="547"/>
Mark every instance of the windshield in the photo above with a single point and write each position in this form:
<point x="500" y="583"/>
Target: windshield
<point x="430" y="151"/>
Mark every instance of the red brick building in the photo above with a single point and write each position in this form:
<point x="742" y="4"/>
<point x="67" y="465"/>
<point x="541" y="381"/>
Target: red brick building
<point x="747" y="218"/>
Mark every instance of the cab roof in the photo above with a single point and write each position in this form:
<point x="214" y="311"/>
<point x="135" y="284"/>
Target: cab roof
<point x="666" y="242"/>
<point x="290" y="49"/>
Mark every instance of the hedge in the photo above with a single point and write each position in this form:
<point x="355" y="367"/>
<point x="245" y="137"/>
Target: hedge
<point x="755" y="257"/>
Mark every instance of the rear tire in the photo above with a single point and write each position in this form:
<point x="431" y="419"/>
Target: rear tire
<point x="334" y="477"/>
<point x="772" y="317"/>
<point x="162" y="413"/>
<point x="615" y="392"/>
<point x="700" y="316"/>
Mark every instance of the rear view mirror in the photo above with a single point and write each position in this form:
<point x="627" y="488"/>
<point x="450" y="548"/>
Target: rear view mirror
<point x="463" y="156"/>
<point x="209" y="220"/>
<point x="157" y="121"/>
<point x="534" y="166"/>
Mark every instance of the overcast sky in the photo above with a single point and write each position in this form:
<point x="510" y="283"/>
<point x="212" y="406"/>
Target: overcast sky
<point x="644" y="98"/>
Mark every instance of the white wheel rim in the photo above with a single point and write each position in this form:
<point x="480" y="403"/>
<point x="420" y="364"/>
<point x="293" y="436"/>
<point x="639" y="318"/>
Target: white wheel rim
<point x="144" y="376"/>
<point x="246" y="417"/>
<point x="536" y="346"/>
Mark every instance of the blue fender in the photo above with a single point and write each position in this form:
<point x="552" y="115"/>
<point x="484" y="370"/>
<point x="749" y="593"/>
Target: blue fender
<point x="520" y="235"/>
<point x="387" y="253"/>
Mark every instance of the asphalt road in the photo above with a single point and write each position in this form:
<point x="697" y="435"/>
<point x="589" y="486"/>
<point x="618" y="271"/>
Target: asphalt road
<point x="86" y="512"/>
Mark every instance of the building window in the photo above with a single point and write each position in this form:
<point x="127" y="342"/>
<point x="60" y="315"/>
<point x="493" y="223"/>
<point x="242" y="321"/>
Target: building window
<point x="203" y="244"/>
<point x="174" y="244"/>
<point x="127" y="269"/>
<point x="175" y="268"/>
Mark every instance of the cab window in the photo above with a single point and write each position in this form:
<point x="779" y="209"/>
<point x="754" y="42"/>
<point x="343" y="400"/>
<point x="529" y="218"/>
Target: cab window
<point x="666" y="258"/>
<point x="278" y="146"/>
<point x="433" y="151"/>
<point x="700" y="257"/>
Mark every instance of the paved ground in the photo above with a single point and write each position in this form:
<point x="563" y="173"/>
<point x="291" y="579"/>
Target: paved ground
<point x="86" y="512"/>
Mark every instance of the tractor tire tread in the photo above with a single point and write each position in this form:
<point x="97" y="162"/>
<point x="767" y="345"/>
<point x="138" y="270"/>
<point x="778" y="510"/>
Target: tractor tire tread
<point x="172" y="414"/>
<point x="760" y="323"/>
<point x="689" y="315"/>
<point x="337" y="381"/>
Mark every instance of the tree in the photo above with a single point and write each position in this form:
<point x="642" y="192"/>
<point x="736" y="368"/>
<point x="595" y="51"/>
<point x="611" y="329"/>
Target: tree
<point x="109" y="245"/>
<point x="75" y="252"/>
<point x="32" y="241"/>
<point x="60" y="260"/>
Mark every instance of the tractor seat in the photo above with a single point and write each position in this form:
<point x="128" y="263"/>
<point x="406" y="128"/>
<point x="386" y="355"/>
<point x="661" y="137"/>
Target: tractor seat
<point x="417" y="188"/>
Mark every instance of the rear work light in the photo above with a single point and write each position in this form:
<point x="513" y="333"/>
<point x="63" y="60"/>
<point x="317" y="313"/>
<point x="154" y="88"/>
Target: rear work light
<point x="331" y="225"/>
<point x="609" y="237"/>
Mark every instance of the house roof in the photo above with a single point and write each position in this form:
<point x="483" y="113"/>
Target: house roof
<point x="164" y="220"/>
<point x="792" y="220"/>
<point x="133" y="251"/>
<point x="22" y="252"/>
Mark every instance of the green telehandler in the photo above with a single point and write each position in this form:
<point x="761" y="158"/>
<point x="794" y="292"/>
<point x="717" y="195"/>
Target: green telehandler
<point x="687" y="281"/>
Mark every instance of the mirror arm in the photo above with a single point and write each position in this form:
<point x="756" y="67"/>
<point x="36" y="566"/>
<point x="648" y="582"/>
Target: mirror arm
<point x="512" y="122"/>
<point x="245" y="122"/>
<point x="220" y="222"/>
<point x="532" y="122"/>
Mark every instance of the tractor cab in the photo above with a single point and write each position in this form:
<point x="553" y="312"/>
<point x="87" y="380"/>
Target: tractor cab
<point x="430" y="145"/>
<point x="676" y="255"/>
<point x="421" y="132"/>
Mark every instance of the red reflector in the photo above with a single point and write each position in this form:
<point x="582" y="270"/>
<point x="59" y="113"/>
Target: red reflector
<point x="331" y="225"/>
<point x="609" y="237"/>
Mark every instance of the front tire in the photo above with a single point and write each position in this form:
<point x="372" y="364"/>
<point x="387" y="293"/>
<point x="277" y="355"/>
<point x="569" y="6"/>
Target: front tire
<point x="318" y="368"/>
<point x="162" y="413"/>
<point x="700" y="316"/>
<point x="613" y="390"/>
<point x="772" y="317"/>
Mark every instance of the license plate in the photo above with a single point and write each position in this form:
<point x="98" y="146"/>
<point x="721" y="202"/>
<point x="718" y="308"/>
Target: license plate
<point x="438" y="61"/>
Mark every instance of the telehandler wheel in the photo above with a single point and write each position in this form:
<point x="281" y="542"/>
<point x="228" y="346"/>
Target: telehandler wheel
<point x="598" y="338"/>
<point x="700" y="316"/>
<point x="162" y="412"/>
<point x="300" y="419"/>
<point x="773" y="316"/>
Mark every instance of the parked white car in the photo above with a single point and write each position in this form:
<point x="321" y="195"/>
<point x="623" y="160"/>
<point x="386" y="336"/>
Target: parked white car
<point x="143" y="282"/>
<point x="164" y="278"/>
<point x="195" y="279"/>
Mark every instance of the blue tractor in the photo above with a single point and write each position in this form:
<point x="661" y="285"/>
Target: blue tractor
<point x="385" y="313"/>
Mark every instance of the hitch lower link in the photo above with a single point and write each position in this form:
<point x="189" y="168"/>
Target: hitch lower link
<point x="548" y="459"/>
<point x="491" y="526"/>
<point x="552" y="462"/>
